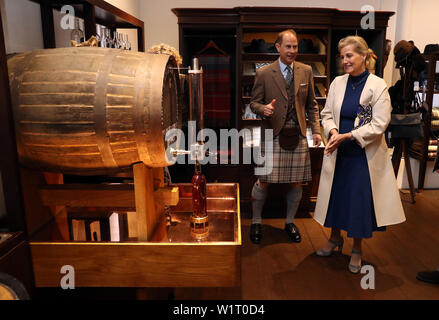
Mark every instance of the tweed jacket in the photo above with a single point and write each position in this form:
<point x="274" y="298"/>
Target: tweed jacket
<point x="270" y="84"/>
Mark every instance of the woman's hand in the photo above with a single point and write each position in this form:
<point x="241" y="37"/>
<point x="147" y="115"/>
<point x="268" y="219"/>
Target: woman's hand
<point x="335" y="141"/>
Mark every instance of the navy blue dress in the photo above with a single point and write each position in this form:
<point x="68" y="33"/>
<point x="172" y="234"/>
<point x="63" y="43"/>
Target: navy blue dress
<point x="351" y="205"/>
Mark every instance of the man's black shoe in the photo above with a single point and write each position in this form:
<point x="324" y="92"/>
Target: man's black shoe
<point x="293" y="232"/>
<point x="256" y="233"/>
<point x="428" y="276"/>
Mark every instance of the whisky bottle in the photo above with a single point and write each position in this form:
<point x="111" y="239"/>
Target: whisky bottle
<point x="199" y="193"/>
<point x="199" y="218"/>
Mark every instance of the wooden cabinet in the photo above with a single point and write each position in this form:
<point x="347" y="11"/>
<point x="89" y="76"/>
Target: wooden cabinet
<point x="236" y="28"/>
<point x="242" y="25"/>
<point x="205" y="34"/>
<point x="318" y="30"/>
<point x="425" y="149"/>
<point x="247" y="25"/>
<point x="93" y="12"/>
<point x="257" y="48"/>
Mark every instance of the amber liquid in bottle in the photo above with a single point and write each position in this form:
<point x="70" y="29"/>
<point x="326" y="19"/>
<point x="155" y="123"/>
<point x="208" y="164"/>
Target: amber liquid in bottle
<point x="199" y="193"/>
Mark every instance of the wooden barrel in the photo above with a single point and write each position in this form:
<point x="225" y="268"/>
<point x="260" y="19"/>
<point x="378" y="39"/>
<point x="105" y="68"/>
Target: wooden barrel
<point x="91" y="110"/>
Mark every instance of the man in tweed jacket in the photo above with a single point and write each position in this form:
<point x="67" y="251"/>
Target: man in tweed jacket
<point x="283" y="95"/>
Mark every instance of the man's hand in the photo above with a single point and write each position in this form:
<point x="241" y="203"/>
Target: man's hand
<point x="269" y="108"/>
<point x="317" y="139"/>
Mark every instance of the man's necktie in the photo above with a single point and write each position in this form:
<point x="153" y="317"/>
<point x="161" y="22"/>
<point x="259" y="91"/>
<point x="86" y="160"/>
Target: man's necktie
<point x="289" y="76"/>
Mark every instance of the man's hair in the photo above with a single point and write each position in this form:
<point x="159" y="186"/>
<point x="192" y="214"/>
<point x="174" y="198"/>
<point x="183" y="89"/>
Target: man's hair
<point x="281" y="34"/>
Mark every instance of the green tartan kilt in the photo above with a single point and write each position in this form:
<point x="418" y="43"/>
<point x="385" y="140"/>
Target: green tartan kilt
<point x="288" y="166"/>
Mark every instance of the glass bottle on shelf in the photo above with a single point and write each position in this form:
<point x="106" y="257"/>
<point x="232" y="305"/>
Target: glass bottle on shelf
<point x="124" y="41"/>
<point x="108" y="39"/>
<point x="100" y="35"/>
<point x="120" y="44"/>
<point x="115" y="40"/>
<point x="77" y="34"/>
<point x="127" y="43"/>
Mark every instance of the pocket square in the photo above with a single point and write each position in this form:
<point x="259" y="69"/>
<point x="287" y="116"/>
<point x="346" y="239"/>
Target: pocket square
<point x="303" y="84"/>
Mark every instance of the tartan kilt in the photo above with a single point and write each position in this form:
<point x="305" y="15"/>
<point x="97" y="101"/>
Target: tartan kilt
<point x="288" y="166"/>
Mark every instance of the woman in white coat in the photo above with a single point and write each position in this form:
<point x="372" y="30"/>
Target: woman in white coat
<point x="357" y="190"/>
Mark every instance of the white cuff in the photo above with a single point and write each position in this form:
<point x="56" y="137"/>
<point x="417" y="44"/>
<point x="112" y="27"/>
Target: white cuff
<point x="359" y="139"/>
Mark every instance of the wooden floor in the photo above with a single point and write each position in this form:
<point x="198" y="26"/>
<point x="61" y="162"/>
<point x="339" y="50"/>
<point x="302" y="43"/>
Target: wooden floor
<point x="279" y="269"/>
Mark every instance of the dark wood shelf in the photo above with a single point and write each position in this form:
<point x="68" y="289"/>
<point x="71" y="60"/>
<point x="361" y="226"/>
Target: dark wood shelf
<point x="105" y="13"/>
<point x="267" y="57"/>
<point x="248" y="78"/>
<point x="246" y="99"/>
<point x="252" y="121"/>
<point x="320" y="79"/>
<point x="259" y="57"/>
<point x="309" y="57"/>
<point x="93" y="12"/>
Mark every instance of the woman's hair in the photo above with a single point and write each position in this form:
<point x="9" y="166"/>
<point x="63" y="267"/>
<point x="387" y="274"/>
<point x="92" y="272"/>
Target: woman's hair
<point x="359" y="45"/>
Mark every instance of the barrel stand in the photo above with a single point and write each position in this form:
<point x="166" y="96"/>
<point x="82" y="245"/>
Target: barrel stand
<point x="47" y="201"/>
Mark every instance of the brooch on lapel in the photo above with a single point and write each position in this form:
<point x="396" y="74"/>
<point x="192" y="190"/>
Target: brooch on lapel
<point x="364" y="116"/>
